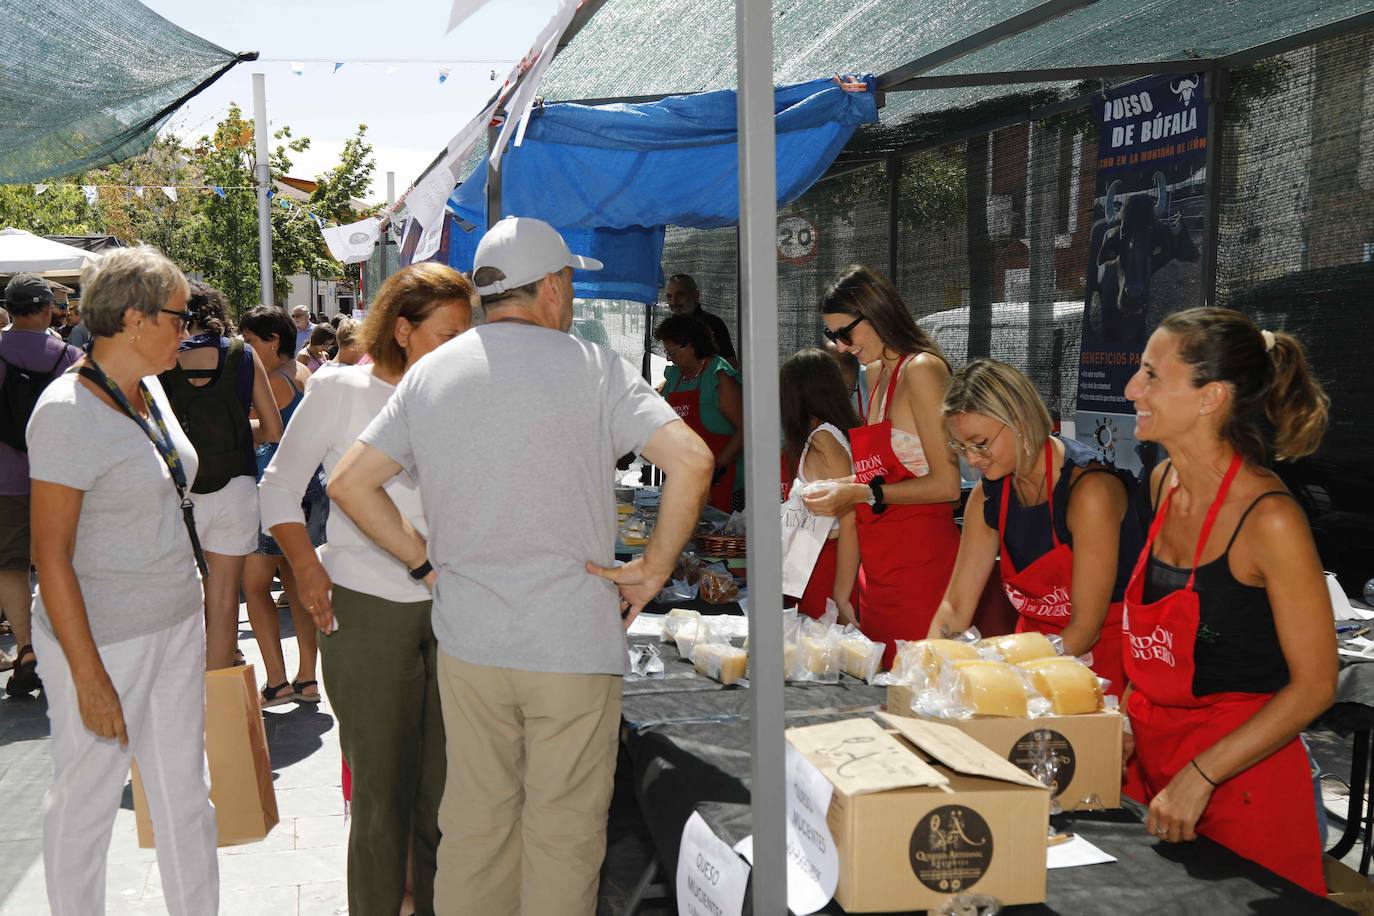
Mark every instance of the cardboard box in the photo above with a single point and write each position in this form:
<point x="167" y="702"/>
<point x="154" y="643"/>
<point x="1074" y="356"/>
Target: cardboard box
<point x="1347" y="887"/>
<point x="915" y="827"/>
<point x="1089" y="747"/>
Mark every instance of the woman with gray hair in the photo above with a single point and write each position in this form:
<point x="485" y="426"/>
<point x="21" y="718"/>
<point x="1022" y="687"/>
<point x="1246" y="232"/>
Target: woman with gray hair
<point x="118" y="621"/>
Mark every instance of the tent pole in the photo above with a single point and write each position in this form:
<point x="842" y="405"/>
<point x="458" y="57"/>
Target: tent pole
<point x="759" y="297"/>
<point x="494" y="173"/>
<point x="260" y="129"/>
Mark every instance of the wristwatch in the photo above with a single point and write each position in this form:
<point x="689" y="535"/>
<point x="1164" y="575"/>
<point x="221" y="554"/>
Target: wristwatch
<point x="875" y="495"/>
<point x="424" y="569"/>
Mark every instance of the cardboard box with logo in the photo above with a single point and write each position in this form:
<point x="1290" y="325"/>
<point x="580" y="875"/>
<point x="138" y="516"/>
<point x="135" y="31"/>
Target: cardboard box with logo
<point x="1088" y="748"/>
<point x="924" y="814"/>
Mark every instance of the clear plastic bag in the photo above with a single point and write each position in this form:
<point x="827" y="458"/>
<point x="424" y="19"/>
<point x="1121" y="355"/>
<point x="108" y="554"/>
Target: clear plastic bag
<point x="861" y="657"/>
<point x="688" y="569"/>
<point x="1015" y="648"/>
<point x="1069" y="687"/>
<point x="919" y="663"/>
<point x="819" y="657"/>
<point x="717" y="585"/>
<point x="720" y="661"/>
<point x="677" y="619"/>
<point x="677" y="591"/>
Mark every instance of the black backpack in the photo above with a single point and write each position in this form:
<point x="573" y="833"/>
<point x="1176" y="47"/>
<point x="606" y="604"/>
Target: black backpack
<point x="19" y="394"/>
<point x="214" y="418"/>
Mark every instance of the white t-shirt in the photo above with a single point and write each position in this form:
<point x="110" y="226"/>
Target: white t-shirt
<point x="133" y="556"/>
<point x="513" y="431"/>
<point x="339" y="402"/>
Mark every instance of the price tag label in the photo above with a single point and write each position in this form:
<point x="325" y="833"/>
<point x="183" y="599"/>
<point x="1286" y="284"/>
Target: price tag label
<point x="711" y="879"/>
<point x="813" y="864"/>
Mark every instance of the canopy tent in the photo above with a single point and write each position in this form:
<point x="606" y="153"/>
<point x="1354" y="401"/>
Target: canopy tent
<point x="90" y="82"/>
<point x="24" y="252"/>
<point x="612" y="177"/>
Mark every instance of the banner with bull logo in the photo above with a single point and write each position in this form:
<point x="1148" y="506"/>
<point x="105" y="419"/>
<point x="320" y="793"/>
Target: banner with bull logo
<point x="1144" y="256"/>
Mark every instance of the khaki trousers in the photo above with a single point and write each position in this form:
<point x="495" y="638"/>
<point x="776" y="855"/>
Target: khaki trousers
<point x="531" y="764"/>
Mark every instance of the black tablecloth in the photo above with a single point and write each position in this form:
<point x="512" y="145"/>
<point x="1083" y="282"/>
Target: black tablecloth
<point x="689" y="742"/>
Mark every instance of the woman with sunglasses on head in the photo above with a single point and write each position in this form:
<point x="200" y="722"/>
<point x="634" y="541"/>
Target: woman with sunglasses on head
<point x="705" y="391"/>
<point x="902" y="493"/>
<point x="1231" y="648"/>
<point x="816" y="412"/>
<point x="1057" y="514"/>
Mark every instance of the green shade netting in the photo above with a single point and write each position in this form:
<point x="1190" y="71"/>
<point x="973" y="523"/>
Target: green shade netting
<point x="85" y="83"/>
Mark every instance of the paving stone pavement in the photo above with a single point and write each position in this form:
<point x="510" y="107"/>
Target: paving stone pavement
<point x="297" y="871"/>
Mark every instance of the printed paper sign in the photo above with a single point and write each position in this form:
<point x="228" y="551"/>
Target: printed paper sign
<point x="711" y="879"/>
<point x="813" y="864"/>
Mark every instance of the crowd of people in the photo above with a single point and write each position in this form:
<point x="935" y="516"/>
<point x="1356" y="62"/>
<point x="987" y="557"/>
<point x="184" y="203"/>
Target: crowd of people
<point x="443" y="531"/>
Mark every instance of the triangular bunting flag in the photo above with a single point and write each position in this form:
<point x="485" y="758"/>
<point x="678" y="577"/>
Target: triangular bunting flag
<point x="392" y="68"/>
<point x="271" y="193"/>
<point x="220" y="191"/>
<point x="138" y="190"/>
<point x="298" y="68"/>
<point x="170" y="192"/>
<point x="337" y="65"/>
<point x="39" y="189"/>
<point x="91" y="192"/>
<point x="443" y="73"/>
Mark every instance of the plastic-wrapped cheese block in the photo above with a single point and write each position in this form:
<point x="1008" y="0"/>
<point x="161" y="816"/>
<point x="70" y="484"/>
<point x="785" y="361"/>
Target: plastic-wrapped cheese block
<point x="930" y="656"/>
<point x="1021" y="647"/>
<point x="1071" y="686"/>
<point x="820" y="656"/>
<point x="686" y="638"/>
<point x="724" y="663"/>
<point x="677" y="619"/>
<point x="989" y="688"/>
<point x="862" y="656"/>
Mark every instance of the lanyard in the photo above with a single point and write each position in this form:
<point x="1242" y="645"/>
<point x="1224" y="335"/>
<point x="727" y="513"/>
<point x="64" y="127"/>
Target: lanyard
<point x="162" y="441"/>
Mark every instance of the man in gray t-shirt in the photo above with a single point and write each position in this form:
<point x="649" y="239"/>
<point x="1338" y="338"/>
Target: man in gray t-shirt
<point x="512" y="431"/>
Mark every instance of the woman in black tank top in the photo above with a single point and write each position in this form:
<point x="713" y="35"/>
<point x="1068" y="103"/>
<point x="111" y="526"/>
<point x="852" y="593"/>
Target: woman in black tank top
<point x="1230" y="642"/>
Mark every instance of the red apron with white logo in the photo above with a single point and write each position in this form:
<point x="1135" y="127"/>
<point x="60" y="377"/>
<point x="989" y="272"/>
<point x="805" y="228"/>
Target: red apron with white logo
<point x="907" y="551"/>
<point x="688" y="407"/>
<point x="1042" y="592"/>
<point x="1266" y="813"/>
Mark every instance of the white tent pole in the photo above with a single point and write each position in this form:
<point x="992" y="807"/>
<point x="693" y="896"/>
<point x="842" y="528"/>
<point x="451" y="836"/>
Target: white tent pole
<point x="759" y="291"/>
<point x="260" y="134"/>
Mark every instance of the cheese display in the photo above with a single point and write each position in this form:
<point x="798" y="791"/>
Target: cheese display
<point x="677" y="619"/>
<point x="820" y="657"/>
<point x="1021" y="647"/>
<point x="987" y="688"/>
<point x="722" y="662"/>
<point x="862" y="657"/>
<point x="1071" y="686"/>
<point x="922" y="660"/>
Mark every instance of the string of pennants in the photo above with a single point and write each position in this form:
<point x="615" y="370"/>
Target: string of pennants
<point x="443" y="73"/>
<point x="92" y="193"/>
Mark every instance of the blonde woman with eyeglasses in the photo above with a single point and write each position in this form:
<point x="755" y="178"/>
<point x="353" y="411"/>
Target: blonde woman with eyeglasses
<point x="1054" y="510"/>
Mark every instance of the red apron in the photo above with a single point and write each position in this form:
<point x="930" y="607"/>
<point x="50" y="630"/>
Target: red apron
<point x="1041" y="592"/>
<point x="908" y="551"/>
<point x="688" y="407"/>
<point x="1266" y="813"/>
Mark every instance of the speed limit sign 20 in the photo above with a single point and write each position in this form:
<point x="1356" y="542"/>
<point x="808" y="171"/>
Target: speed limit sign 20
<point x="796" y="240"/>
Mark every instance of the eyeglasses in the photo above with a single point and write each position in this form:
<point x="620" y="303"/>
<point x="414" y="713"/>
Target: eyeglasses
<point x="983" y="451"/>
<point x="183" y="319"/>
<point x="842" y="335"/>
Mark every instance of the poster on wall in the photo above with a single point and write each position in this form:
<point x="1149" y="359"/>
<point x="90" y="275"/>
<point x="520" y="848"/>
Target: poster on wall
<point x="1144" y="254"/>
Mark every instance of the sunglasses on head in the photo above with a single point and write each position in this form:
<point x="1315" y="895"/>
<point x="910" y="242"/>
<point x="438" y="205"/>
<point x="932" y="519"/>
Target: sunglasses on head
<point x="842" y="335"/>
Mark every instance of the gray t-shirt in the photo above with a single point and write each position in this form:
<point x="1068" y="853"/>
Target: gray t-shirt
<point x="133" y="557"/>
<point x="513" y="432"/>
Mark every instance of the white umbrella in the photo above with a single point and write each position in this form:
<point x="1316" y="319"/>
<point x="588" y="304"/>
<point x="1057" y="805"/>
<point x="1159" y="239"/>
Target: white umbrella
<point x="22" y="251"/>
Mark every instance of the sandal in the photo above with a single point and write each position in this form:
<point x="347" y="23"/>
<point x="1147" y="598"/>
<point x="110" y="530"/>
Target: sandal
<point x="25" y="679"/>
<point x="274" y="696"/>
<point x="302" y="696"/>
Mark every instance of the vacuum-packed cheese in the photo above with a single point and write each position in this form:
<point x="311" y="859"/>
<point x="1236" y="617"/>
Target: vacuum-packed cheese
<point x="989" y="688"/>
<point x="678" y="619"/>
<point x="929" y="657"/>
<point x="820" y="656"/>
<point x="1071" y="686"/>
<point x="1021" y="647"/>
<point x="724" y="663"/>
<point x="862" y="656"/>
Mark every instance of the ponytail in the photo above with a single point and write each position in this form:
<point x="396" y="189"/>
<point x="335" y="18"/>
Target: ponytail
<point x="1296" y="404"/>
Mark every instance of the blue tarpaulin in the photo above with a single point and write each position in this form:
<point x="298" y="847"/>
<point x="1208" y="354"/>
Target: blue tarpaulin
<point x="611" y="177"/>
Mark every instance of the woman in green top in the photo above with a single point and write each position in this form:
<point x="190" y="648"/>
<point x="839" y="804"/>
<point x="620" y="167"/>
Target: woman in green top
<point x="705" y="391"/>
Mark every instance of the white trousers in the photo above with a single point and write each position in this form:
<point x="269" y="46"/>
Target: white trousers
<point x="160" y="679"/>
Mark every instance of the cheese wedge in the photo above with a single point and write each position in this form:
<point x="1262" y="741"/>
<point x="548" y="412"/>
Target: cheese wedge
<point x="1021" y="647"/>
<point x="724" y="663"/>
<point x="1071" y="686"/>
<point x="989" y="688"/>
<point x="929" y="656"/>
<point x="820" y="656"/>
<point x="862" y="657"/>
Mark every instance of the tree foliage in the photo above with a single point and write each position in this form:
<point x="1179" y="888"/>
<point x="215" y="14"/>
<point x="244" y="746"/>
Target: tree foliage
<point x="205" y="231"/>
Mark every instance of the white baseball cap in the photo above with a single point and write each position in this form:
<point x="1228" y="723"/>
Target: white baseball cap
<point x="525" y="250"/>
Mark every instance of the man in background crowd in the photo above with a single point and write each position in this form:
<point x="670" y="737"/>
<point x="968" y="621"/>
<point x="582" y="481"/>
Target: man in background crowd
<point x="685" y="299"/>
<point x="300" y="317"/>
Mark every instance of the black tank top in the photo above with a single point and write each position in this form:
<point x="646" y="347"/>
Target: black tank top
<point x="1237" y="648"/>
<point x="1028" y="527"/>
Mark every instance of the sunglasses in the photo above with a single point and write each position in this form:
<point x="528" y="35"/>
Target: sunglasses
<point x="842" y="335"/>
<point x="183" y="319"/>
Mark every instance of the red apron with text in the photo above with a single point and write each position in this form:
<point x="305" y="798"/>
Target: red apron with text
<point x="1041" y="593"/>
<point x="688" y="407"/>
<point x="1266" y="813"/>
<point x="907" y="552"/>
